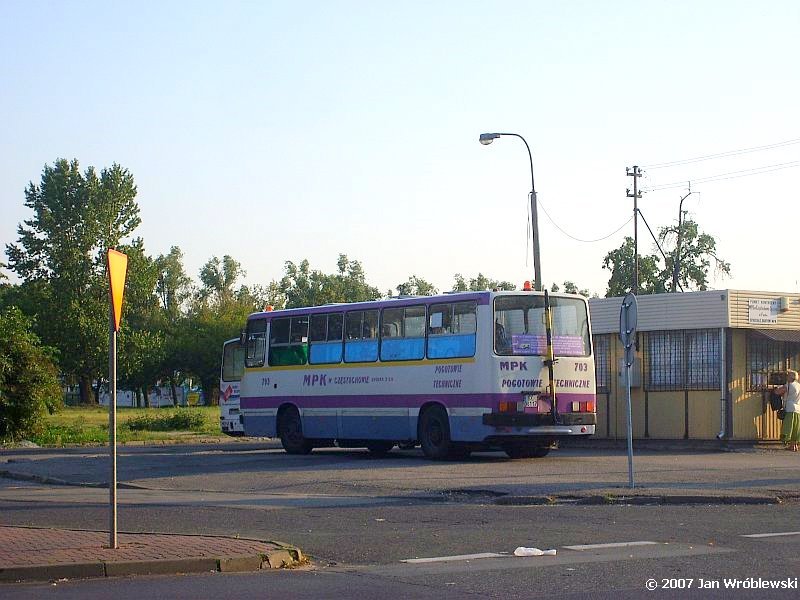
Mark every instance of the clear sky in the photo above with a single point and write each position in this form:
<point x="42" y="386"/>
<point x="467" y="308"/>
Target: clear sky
<point x="276" y="131"/>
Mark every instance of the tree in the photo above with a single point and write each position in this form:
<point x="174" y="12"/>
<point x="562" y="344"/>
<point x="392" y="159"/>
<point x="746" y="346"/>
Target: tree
<point x="142" y="338"/>
<point x="416" y="286"/>
<point x="29" y="385"/>
<point x="570" y="288"/>
<point x="60" y="256"/>
<point x="621" y="264"/>
<point x="480" y="283"/>
<point x="173" y="289"/>
<point x="218" y="312"/>
<point x="218" y="278"/>
<point x="173" y="286"/>
<point x="697" y="251"/>
<point x="304" y="286"/>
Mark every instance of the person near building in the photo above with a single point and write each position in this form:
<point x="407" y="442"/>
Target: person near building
<point x="790" y="430"/>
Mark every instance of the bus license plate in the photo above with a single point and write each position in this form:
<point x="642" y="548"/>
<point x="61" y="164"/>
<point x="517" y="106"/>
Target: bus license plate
<point x="531" y="402"/>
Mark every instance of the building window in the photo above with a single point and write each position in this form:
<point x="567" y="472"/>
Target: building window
<point x="682" y="360"/>
<point x="665" y="360"/>
<point x="602" y="351"/>
<point x="703" y="359"/>
<point x="764" y="357"/>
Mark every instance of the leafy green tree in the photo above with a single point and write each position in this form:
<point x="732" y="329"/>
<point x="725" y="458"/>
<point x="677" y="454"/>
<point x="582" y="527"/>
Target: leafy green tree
<point x="621" y="264"/>
<point x="697" y="251"/>
<point x="142" y="338"/>
<point x="29" y="385"/>
<point x="218" y="278"/>
<point x="218" y="312"/>
<point x="480" y="283"/>
<point x="416" y="286"/>
<point x="174" y="290"/>
<point x="173" y="285"/>
<point x="60" y="255"/>
<point x="304" y="286"/>
<point x="570" y="288"/>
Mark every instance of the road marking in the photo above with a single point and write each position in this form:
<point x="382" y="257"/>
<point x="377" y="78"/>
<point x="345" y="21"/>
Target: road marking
<point x="765" y="535"/>
<point x="613" y="545"/>
<point x="456" y="557"/>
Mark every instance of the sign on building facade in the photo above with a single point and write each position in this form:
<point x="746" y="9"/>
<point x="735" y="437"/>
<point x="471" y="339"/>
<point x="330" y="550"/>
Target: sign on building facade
<point x="762" y="311"/>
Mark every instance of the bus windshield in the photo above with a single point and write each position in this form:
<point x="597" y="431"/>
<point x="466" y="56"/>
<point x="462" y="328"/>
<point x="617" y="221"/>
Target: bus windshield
<point x="232" y="361"/>
<point x="519" y="325"/>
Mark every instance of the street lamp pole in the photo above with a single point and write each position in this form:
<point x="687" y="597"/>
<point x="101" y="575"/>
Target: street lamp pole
<point x="488" y="138"/>
<point x="677" y="266"/>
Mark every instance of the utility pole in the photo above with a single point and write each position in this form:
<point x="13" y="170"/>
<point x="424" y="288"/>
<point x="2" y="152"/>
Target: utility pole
<point x="677" y="261"/>
<point x="635" y="172"/>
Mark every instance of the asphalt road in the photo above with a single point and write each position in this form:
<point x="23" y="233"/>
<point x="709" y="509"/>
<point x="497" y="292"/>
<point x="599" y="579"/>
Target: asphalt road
<point x="361" y="519"/>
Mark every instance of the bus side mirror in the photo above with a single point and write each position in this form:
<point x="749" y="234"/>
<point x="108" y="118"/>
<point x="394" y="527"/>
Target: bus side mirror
<point x="243" y="337"/>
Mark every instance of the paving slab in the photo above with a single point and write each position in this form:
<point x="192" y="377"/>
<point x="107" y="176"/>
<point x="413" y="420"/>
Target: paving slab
<point x="40" y="554"/>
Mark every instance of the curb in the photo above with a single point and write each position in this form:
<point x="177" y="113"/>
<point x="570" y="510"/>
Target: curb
<point x="636" y="500"/>
<point x="280" y="558"/>
<point x="5" y="474"/>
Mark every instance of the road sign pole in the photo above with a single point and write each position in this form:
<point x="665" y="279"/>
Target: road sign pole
<point x="630" y="424"/>
<point x="628" y="316"/>
<point x="112" y="433"/>
<point x="117" y="265"/>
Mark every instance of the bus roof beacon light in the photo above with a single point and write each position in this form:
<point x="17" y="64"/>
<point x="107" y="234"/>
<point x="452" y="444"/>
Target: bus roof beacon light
<point x="487" y="138"/>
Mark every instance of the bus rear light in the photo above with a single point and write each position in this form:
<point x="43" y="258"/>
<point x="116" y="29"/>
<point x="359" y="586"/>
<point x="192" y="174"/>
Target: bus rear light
<point x="576" y="406"/>
<point x="589" y="407"/>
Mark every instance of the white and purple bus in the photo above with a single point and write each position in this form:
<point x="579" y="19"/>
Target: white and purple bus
<point x="230" y="419"/>
<point x="452" y="373"/>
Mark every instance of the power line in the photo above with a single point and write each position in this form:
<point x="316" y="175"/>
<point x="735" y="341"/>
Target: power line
<point x="729" y="175"/>
<point x="605" y="237"/>
<point x="687" y="161"/>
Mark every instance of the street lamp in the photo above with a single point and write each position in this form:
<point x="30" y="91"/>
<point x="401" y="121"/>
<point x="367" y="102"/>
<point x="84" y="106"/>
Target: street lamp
<point x="488" y="138"/>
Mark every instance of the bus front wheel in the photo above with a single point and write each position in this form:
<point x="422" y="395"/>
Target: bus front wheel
<point x="290" y="430"/>
<point x="434" y="436"/>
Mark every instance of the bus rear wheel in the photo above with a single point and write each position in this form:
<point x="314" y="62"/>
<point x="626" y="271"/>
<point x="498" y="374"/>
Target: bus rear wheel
<point x="520" y="451"/>
<point x="290" y="430"/>
<point x="434" y="436"/>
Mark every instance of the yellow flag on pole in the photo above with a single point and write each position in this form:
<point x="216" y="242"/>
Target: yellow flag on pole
<point x="117" y="263"/>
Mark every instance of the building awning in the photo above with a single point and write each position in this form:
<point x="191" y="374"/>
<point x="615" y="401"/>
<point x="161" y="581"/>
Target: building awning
<point x="780" y="335"/>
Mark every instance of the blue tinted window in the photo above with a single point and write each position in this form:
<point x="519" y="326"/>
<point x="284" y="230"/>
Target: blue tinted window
<point x="451" y="330"/>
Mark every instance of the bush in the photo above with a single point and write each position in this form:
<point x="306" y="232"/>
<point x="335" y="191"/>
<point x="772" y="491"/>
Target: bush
<point x="29" y="385"/>
<point x="175" y="421"/>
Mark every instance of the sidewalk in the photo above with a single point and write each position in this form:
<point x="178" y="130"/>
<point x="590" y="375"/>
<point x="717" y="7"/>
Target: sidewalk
<point x="40" y="554"/>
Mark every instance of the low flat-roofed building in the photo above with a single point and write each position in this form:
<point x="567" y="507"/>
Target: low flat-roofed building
<point x="703" y="366"/>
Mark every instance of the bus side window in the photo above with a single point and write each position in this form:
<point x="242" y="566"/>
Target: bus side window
<point x="403" y="333"/>
<point x="451" y="330"/>
<point x="288" y="341"/>
<point x="256" y="342"/>
<point x="325" y="339"/>
<point x="361" y="328"/>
